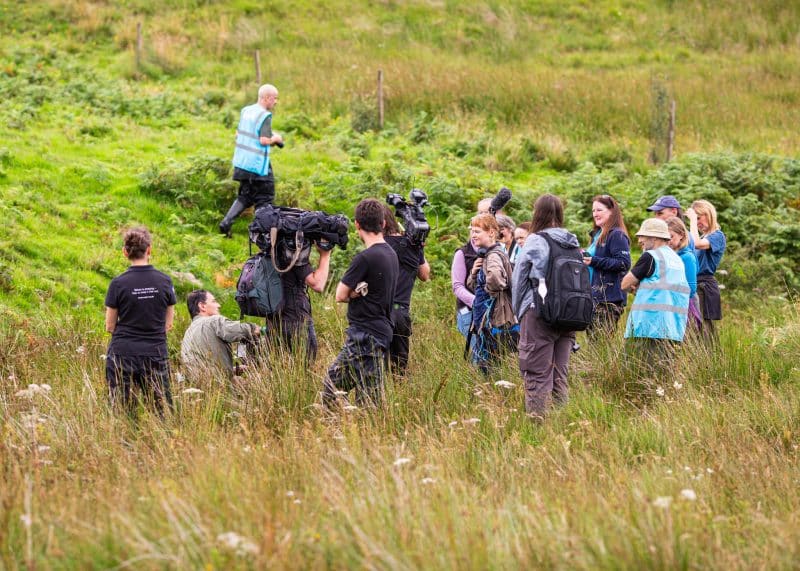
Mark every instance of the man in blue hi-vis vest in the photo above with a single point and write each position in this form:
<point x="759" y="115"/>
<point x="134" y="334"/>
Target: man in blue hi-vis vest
<point x="657" y="318"/>
<point x="251" y="157"/>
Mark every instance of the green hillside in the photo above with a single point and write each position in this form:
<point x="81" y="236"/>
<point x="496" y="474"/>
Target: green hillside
<point x="541" y="96"/>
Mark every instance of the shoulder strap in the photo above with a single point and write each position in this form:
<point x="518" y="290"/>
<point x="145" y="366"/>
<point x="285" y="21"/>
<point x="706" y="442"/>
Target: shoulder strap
<point x="298" y="239"/>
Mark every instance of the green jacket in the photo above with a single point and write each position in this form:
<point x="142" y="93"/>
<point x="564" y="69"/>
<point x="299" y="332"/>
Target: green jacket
<point x="207" y="343"/>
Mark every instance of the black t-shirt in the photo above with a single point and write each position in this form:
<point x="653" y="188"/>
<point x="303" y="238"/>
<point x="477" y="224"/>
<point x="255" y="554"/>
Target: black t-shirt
<point x="241" y="174"/>
<point x="410" y="257"/>
<point x="141" y="296"/>
<point x="377" y="265"/>
<point x="645" y="267"/>
<point x="296" y="305"/>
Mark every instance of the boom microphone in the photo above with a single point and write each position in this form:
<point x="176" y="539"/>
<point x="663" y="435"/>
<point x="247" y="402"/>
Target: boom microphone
<point x="500" y="200"/>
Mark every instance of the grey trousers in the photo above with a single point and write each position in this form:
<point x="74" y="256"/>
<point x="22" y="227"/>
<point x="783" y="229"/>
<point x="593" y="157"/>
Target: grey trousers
<point x="543" y="359"/>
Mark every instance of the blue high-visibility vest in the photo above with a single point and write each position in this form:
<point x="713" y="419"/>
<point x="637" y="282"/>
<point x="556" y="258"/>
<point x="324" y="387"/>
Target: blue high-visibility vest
<point x="661" y="304"/>
<point x="250" y="154"/>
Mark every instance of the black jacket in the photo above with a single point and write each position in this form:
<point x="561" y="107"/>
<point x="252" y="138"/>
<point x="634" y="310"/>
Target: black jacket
<point x="610" y="263"/>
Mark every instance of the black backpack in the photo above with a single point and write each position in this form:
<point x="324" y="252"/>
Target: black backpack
<point x="568" y="304"/>
<point x="259" y="291"/>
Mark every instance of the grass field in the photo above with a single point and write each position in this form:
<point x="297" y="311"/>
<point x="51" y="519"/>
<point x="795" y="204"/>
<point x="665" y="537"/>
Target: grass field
<point x="538" y="96"/>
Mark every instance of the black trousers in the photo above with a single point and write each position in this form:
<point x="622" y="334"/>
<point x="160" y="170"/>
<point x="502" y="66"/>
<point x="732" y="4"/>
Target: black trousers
<point x="257" y="192"/>
<point x="401" y="339"/>
<point x="149" y="374"/>
<point x="288" y="333"/>
<point x="360" y="365"/>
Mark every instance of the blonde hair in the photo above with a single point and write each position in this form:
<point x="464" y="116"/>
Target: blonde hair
<point x="676" y="225"/>
<point x="705" y="207"/>
<point x="486" y="222"/>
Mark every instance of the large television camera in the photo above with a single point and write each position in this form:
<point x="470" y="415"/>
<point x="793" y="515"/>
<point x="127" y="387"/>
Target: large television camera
<point x="287" y="233"/>
<point x="410" y="212"/>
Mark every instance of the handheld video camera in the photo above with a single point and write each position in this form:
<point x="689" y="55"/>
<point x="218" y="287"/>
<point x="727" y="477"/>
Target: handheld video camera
<point x="410" y="212"/>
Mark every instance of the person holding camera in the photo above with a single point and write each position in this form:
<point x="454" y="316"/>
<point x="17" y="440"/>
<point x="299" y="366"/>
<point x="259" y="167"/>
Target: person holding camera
<point x="252" y="166"/>
<point x="206" y="345"/>
<point x="368" y="287"/>
<point x="294" y="319"/>
<point x="412" y="265"/>
<point x="140" y="309"/>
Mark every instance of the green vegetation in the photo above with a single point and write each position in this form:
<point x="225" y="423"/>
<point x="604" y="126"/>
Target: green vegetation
<point x="539" y="96"/>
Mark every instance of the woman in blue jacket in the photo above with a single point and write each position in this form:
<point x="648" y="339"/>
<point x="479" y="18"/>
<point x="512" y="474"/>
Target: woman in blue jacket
<point x="609" y="258"/>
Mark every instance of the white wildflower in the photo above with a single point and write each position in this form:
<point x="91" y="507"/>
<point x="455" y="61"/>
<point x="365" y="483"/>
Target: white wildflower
<point x="401" y="461"/>
<point x="660" y="391"/>
<point x="662" y="502"/>
<point x="80" y="350"/>
<point x="340" y="393"/>
<point x="179" y="377"/>
<point x="669" y="471"/>
<point x="241" y="545"/>
<point x="687" y="468"/>
<point x="678" y="386"/>
<point x="427" y="481"/>
<point x="504" y="384"/>
<point x="298" y="501"/>
<point x="42" y="448"/>
<point x="688" y="494"/>
<point x="103" y="357"/>
<point x="709" y="470"/>
<point x="192" y="391"/>
<point x="471" y="421"/>
<point x="328" y="308"/>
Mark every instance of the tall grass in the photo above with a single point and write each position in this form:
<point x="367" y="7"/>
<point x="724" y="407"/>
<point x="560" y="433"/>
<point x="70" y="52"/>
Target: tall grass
<point x="463" y="481"/>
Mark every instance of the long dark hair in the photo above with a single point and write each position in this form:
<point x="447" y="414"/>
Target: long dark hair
<point x="615" y="221"/>
<point x="548" y="212"/>
<point x="391" y="228"/>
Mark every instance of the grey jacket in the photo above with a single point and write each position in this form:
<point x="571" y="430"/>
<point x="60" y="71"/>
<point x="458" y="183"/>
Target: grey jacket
<point x="207" y="343"/>
<point x="531" y="266"/>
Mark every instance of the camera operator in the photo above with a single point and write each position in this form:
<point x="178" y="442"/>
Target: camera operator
<point x="411" y="258"/>
<point x="294" y="319"/>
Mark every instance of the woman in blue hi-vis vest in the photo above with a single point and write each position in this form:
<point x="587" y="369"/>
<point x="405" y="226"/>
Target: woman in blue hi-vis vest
<point x="657" y="319"/>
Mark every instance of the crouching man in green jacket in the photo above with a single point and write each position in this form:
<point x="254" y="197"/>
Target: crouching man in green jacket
<point x="206" y="345"/>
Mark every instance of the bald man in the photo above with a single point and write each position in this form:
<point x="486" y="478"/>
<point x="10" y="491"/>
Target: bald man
<point x="252" y="167"/>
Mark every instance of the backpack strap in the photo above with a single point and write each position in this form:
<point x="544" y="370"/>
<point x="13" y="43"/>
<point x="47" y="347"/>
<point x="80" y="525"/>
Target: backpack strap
<point x="298" y="239"/>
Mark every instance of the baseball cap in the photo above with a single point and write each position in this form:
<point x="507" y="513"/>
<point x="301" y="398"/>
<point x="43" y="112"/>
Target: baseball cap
<point x="654" y="228"/>
<point x="663" y="202"/>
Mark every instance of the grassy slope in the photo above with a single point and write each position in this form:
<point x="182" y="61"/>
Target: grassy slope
<point x="576" y="493"/>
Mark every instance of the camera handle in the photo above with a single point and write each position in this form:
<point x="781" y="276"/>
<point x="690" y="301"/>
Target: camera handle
<point x="298" y="239"/>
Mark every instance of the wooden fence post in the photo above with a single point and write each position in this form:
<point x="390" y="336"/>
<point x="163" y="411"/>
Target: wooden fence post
<point x="671" y="132"/>
<point x="380" y="99"/>
<point x="258" y="67"/>
<point x="139" y="46"/>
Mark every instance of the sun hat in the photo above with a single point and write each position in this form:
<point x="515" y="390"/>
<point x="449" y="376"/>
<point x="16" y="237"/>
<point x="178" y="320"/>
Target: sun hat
<point x="654" y="228"/>
<point x="667" y="201"/>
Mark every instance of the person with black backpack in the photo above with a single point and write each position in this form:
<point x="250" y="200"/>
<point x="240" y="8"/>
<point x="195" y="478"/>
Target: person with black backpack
<point x="552" y="299"/>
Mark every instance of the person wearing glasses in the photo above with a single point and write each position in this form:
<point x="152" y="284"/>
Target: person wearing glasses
<point x="608" y="257"/>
